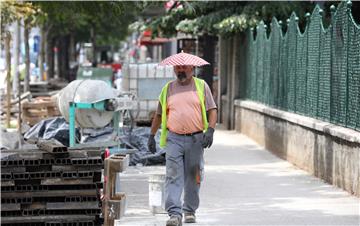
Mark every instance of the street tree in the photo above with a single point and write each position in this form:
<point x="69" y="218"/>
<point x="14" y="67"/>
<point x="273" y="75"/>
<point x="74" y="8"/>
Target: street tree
<point x="11" y="11"/>
<point x="30" y="19"/>
<point x="68" y="23"/>
<point x="208" y="20"/>
<point x="223" y="17"/>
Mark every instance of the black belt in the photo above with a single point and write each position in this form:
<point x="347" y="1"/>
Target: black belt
<point x="188" y="134"/>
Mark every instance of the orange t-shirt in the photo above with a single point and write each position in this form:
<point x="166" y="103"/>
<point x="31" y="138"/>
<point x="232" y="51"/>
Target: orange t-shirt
<point x="184" y="109"/>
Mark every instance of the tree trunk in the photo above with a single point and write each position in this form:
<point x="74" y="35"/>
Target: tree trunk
<point x="17" y="54"/>
<point x="72" y="48"/>
<point x="49" y="55"/>
<point x="63" y="57"/>
<point x="42" y="53"/>
<point x="27" y="56"/>
<point x="66" y="57"/>
<point x="8" y="75"/>
<point x="60" y="57"/>
<point x="19" y="121"/>
<point x="93" y="41"/>
<point x="209" y="55"/>
<point x="58" y="61"/>
<point x="56" y="57"/>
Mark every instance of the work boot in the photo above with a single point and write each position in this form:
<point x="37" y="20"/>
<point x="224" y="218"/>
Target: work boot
<point x="189" y="218"/>
<point x="174" y="221"/>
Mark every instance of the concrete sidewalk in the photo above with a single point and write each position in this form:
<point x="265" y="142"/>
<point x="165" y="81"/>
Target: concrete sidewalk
<point x="246" y="185"/>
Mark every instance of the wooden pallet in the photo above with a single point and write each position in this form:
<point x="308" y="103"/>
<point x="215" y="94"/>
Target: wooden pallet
<point x="14" y="103"/>
<point x="39" y="109"/>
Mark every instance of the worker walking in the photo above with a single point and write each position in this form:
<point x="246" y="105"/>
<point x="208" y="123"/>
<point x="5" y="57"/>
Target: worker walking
<point x="187" y="114"/>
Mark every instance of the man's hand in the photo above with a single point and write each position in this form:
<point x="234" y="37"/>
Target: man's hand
<point x="152" y="144"/>
<point x="208" y="138"/>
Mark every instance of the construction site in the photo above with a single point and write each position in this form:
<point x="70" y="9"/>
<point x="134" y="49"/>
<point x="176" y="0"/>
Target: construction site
<point x="95" y="112"/>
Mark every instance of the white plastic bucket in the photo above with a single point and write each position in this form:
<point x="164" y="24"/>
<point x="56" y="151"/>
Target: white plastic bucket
<point x="157" y="193"/>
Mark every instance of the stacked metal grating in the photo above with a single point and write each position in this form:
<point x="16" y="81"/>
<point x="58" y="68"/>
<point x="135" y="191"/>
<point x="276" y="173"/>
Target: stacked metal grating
<point x="51" y="187"/>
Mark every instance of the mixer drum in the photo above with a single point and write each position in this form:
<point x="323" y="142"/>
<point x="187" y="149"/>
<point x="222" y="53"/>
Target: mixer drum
<point x="86" y="91"/>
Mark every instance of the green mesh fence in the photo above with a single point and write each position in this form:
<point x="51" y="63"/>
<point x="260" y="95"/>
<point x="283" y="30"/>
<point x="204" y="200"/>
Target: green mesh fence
<point x="274" y="63"/>
<point x="323" y="111"/>
<point x="291" y="64"/>
<point x="301" y="75"/>
<point x="315" y="73"/>
<point x="353" y="71"/>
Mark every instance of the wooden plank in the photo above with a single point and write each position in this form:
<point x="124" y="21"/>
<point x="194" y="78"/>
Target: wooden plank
<point x="44" y="98"/>
<point x="41" y="108"/>
<point x="22" y="97"/>
<point x="34" y="113"/>
<point x="13" y="109"/>
<point x="39" y="105"/>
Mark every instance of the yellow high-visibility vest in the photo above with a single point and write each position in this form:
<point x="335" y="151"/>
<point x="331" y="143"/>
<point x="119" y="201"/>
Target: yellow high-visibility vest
<point x="200" y="89"/>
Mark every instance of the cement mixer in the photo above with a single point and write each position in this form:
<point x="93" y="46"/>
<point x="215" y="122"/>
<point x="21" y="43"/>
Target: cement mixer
<point x="92" y="104"/>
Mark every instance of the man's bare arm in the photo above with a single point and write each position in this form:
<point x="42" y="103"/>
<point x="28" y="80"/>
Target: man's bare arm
<point x="155" y="124"/>
<point x="212" y="113"/>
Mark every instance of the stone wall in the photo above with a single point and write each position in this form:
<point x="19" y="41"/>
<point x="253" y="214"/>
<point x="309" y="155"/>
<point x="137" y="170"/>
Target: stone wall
<point x="325" y="150"/>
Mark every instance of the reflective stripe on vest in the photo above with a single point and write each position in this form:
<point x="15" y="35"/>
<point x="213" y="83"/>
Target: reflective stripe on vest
<point x="200" y="89"/>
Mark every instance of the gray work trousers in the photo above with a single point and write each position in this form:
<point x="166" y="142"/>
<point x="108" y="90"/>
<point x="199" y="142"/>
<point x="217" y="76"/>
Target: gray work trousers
<point x="184" y="171"/>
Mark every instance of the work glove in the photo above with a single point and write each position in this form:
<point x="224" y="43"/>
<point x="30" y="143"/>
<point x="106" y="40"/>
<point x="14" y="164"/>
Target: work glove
<point x="152" y="144"/>
<point x="208" y="138"/>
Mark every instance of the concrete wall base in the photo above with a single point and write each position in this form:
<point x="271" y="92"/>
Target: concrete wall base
<point x="325" y="150"/>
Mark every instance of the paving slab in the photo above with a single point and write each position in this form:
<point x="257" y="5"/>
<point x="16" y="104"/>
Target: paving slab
<point x="245" y="184"/>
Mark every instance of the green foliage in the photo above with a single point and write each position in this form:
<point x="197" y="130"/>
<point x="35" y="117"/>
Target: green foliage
<point x="224" y="17"/>
<point x="12" y="11"/>
<point x="205" y="23"/>
<point x="165" y="25"/>
<point x="109" y="19"/>
<point x="189" y="26"/>
<point x="193" y="17"/>
<point x="254" y="12"/>
<point x="235" y="24"/>
<point x="137" y="26"/>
